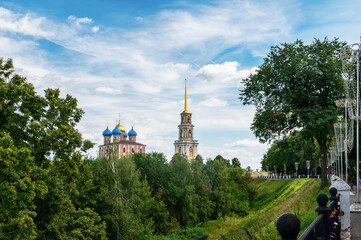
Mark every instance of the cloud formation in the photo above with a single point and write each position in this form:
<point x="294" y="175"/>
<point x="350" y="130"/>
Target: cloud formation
<point x="139" y="71"/>
<point x="23" y="24"/>
<point x="225" y="72"/>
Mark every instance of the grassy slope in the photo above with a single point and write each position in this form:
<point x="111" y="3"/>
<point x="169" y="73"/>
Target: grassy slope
<point x="273" y="198"/>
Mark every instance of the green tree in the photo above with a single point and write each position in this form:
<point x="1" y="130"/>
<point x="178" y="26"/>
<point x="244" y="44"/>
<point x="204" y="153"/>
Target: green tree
<point x="203" y="190"/>
<point x="236" y="162"/>
<point x="125" y="200"/>
<point x="18" y="188"/>
<point x="240" y="200"/>
<point x="221" y="196"/>
<point x="44" y="125"/>
<point x="296" y="87"/>
<point x="291" y="149"/>
<point x="183" y="197"/>
<point x="155" y="168"/>
<point x="69" y="223"/>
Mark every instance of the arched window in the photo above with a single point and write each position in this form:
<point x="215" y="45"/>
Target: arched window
<point x="124" y="149"/>
<point x="191" y="151"/>
<point x="132" y="149"/>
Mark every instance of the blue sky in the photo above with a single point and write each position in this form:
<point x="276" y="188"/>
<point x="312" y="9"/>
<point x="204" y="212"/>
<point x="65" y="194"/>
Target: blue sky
<point x="131" y="57"/>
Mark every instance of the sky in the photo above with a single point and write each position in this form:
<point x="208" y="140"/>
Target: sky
<point x="130" y="58"/>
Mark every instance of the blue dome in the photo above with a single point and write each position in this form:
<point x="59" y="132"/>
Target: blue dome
<point x="125" y="134"/>
<point x="132" y="133"/>
<point x="107" y="132"/>
<point x="116" y="131"/>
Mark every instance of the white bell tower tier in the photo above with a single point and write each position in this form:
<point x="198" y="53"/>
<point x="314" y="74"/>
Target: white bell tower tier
<point x="186" y="145"/>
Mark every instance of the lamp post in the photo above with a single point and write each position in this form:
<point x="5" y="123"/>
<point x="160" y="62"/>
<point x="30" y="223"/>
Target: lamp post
<point x="284" y="167"/>
<point x="349" y="57"/>
<point x="275" y="170"/>
<point x="296" y="166"/>
<point x="347" y="141"/>
<point x="308" y="165"/>
<point x="267" y="170"/>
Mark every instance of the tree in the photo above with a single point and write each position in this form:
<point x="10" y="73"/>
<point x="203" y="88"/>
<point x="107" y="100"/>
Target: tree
<point x="126" y="201"/>
<point x="290" y="149"/>
<point x="69" y="223"/>
<point x="19" y="185"/>
<point x="236" y="162"/>
<point x="241" y="194"/>
<point x="218" y="174"/>
<point x="155" y="168"/>
<point x="44" y="125"/>
<point x="183" y="196"/>
<point x="51" y="197"/>
<point x="296" y="87"/>
<point x="203" y="189"/>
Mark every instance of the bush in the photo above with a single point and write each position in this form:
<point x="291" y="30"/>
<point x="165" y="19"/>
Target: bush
<point x="186" y="234"/>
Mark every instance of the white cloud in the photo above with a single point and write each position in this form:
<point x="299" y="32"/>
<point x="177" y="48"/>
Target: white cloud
<point x="24" y="24"/>
<point x="225" y="72"/>
<point x="245" y="143"/>
<point x="95" y="29"/>
<point x="78" y="21"/>
<point x="225" y="22"/>
<point x="213" y="102"/>
<point x="108" y="90"/>
<point x="147" y="65"/>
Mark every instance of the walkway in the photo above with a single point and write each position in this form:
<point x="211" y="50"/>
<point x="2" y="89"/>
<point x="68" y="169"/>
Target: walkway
<point x="355" y="220"/>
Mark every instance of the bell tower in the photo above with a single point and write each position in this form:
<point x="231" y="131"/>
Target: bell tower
<point x="186" y="145"/>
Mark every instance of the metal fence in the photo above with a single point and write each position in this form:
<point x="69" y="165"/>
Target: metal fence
<point x="326" y="226"/>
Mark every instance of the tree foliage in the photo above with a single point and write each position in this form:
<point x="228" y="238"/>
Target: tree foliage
<point x="296" y="88"/>
<point x="42" y="197"/>
<point x="51" y="190"/>
<point x="18" y="188"/>
<point x="291" y="149"/>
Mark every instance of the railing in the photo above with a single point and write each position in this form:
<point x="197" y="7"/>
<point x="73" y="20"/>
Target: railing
<point x="289" y="177"/>
<point x="326" y="226"/>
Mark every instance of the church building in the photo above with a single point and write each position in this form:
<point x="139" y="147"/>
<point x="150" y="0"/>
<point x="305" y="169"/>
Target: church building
<point x="123" y="143"/>
<point x="186" y="145"/>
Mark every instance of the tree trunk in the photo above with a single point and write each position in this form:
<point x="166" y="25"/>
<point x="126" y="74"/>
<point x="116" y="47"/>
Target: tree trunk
<point x="323" y="149"/>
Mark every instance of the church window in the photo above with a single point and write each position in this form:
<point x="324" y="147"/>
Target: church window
<point x="132" y="149"/>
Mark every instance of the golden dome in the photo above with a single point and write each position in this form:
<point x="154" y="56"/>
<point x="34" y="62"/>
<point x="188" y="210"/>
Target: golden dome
<point x="121" y="128"/>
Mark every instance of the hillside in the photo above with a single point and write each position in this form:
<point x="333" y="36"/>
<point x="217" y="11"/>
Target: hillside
<point x="272" y="199"/>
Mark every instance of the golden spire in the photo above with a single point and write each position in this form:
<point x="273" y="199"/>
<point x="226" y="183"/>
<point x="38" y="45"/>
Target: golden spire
<point x="185" y="98"/>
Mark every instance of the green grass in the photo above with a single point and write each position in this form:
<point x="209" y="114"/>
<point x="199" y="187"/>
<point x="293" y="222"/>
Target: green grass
<point x="273" y="198"/>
